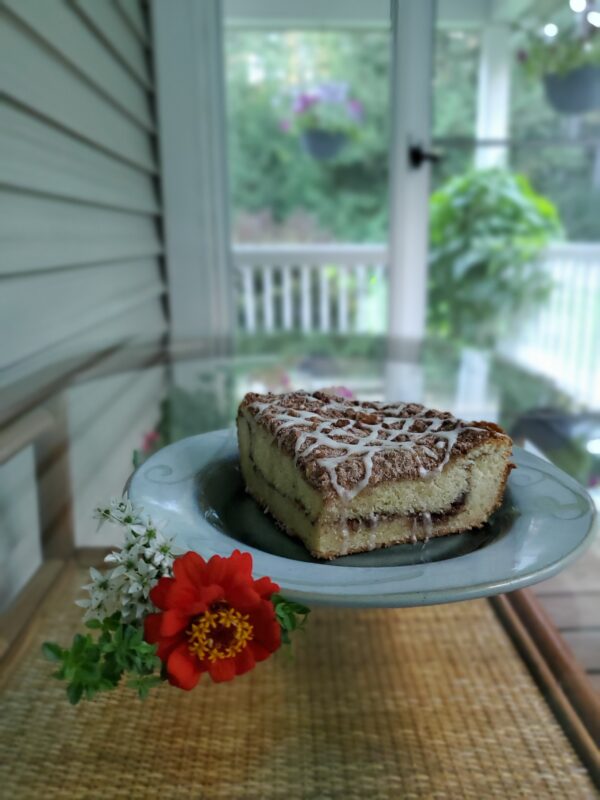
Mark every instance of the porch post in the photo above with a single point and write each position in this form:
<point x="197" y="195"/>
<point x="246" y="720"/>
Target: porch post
<point x="493" y="94"/>
<point x="188" y="44"/>
<point x="411" y="81"/>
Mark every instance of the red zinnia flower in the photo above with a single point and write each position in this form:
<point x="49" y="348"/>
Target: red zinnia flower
<point x="215" y="618"/>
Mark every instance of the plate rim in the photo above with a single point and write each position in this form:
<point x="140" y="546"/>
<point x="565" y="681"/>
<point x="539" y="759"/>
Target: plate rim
<point x="392" y="597"/>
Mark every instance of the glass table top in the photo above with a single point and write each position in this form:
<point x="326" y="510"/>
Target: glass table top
<point x="73" y="435"/>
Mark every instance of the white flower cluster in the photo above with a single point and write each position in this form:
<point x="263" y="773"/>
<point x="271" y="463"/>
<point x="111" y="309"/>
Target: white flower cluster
<point x="146" y="556"/>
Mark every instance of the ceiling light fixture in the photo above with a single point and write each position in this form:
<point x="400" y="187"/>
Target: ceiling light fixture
<point x="593" y="447"/>
<point x="550" y="30"/>
<point x="593" y="18"/>
<point x="578" y="5"/>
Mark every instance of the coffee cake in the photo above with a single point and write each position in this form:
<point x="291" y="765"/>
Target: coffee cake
<point x="347" y="476"/>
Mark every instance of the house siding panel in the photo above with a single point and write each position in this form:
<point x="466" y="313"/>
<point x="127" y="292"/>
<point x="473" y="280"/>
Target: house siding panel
<point x="80" y="241"/>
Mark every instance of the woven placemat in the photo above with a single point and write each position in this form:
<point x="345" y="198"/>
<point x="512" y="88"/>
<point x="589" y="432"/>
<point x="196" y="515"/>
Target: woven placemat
<point x="412" y="703"/>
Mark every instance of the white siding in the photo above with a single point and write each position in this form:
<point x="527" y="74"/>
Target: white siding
<point x="80" y="244"/>
<point x="80" y="254"/>
<point x="20" y="552"/>
<point x="107" y="421"/>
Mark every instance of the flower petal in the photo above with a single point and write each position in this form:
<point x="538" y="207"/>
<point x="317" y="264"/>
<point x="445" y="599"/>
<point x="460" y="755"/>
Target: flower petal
<point x="216" y="569"/>
<point x="241" y="594"/>
<point x="265" y="587"/>
<point x="189" y="568"/>
<point x="238" y="567"/>
<point x="259" y="652"/>
<point x="152" y="628"/>
<point x="173" y="621"/>
<point x="160" y="593"/>
<point x="222" y="670"/>
<point x="182" y="595"/>
<point x="152" y="635"/>
<point x="183" y="668"/>
<point x="210" y="594"/>
<point x="242" y="560"/>
<point x="244" y="661"/>
<point x="267" y="631"/>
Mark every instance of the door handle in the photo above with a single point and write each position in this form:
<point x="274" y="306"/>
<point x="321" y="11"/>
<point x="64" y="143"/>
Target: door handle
<point x="417" y="155"/>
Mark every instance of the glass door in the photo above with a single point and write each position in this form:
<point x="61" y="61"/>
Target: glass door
<point x="309" y="126"/>
<point x="515" y="230"/>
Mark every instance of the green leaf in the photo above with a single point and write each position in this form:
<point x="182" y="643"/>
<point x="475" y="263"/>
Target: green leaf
<point x="74" y="693"/>
<point x="144" y="684"/>
<point x="52" y="651"/>
<point x="93" y="624"/>
<point x="95" y="665"/>
<point x="290" y="615"/>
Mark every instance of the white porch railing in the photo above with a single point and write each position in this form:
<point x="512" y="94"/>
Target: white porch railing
<point x="325" y="287"/>
<point x="343" y="288"/>
<point x="562" y="339"/>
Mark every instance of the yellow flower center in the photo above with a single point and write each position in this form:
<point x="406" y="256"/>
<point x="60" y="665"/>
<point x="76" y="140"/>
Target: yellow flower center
<point x="219" y="633"/>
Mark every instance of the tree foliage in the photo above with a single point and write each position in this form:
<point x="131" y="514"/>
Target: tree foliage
<point x="279" y="192"/>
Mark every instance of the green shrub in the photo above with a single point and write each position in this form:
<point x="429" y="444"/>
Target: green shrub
<point x="487" y="229"/>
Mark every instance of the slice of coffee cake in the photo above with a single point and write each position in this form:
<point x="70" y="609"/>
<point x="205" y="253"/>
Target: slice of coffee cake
<point x="348" y="476"/>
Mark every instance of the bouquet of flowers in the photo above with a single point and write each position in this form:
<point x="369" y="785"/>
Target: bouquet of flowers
<point x="155" y="615"/>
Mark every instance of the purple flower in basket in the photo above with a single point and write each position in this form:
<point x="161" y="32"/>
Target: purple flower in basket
<point x="332" y="92"/>
<point x="303" y="102"/>
<point x="355" y="109"/>
<point x="326" y="108"/>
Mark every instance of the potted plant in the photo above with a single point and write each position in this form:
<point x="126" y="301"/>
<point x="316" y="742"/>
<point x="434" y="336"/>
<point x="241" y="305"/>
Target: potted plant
<point x="569" y="65"/>
<point x="325" y="117"/>
<point x="487" y="230"/>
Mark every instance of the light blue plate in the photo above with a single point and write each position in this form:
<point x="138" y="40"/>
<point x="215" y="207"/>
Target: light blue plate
<point x="546" y="521"/>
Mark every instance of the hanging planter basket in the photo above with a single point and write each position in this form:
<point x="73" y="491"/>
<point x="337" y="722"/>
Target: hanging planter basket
<point x="574" y="92"/>
<point x="323" y="145"/>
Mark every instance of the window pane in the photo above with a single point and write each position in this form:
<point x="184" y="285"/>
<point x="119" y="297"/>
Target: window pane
<point x="280" y="190"/>
<point x="456" y="63"/>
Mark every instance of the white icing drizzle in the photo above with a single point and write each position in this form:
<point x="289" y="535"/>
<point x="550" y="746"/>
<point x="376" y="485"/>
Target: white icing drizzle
<point x="345" y="539"/>
<point x="427" y="525"/>
<point x="371" y="437"/>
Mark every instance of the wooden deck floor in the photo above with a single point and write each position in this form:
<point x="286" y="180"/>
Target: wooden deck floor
<point x="572" y="599"/>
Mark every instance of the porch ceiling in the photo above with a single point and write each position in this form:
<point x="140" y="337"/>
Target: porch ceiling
<point x="358" y="14"/>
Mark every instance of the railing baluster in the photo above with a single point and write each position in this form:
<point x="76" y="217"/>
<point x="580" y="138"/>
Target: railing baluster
<point x="569" y="322"/>
<point x="543" y="342"/>
<point x="595" y="338"/>
<point x="323" y="298"/>
<point x="361" y="321"/>
<point x="268" y="316"/>
<point x="577" y="325"/>
<point x="249" y="305"/>
<point x="555" y="306"/>
<point x="286" y="271"/>
<point x="590" y="346"/>
<point x="342" y="283"/>
<point x="379" y="274"/>
<point x="305" y="299"/>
